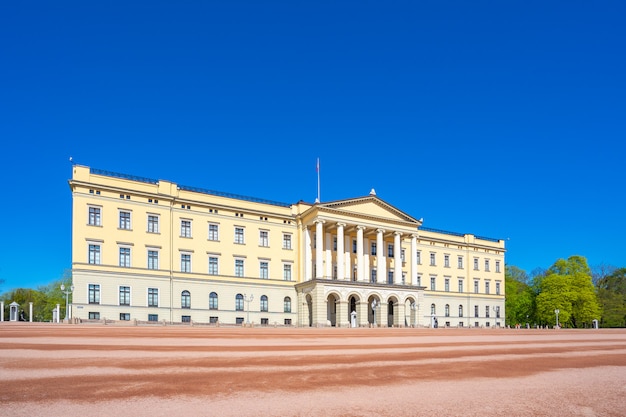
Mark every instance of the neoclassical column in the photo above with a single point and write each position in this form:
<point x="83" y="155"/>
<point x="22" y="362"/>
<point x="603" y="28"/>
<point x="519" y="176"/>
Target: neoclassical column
<point x="397" y="254"/>
<point x="319" y="248"/>
<point x="340" y="252"/>
<point x="380" y="257"/>
<point x="308" y="255"/>
<point x="413" y="257"/>
<point x="359" y="253"/>
<point x="328" y="273"/>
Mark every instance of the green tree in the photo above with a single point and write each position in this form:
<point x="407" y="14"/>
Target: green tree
<point x="612" y="297"/>
<point x="520" y="298"/>
<point x="568" y="287"/>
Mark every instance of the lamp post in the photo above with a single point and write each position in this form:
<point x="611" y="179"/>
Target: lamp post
<point x="248" y="301"/>
<point x="557" y="311"/>
<point x="374" y="305"/>
<point x="67" y="298"/>
<point x="495" y="315"/>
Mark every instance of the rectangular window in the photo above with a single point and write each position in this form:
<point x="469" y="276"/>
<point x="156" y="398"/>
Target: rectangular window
<point x="124" y="296"/>
<point x="214" y="232"/>
<point x="94" y="254"/>
<point x="476" y="312"/>
<point x="335" y="243"/>
<point x="487" y="265"/>
<point x="419" y="280"/>
<point x="418" y="257"/>
<point x="459" y="261"/>
<point x="498" y="312"/>
<point x="239" y="235"/>
<point x="264" y="270"/>
<point x="287" y="322"/>
<point x="125" y="257"/>
<point x="373" y="276"/>
<point x="498" y="266"/>
<point x="185" y="319"/>
<point x="185" y="262"/>
<point x="373" y="249"/>
<point x="487" y="311"/>
<point x="153" y="223"/>
<point x="460" y="285"/>
<point x="214" y="319"/>
<point x="239" y="267"/>
<point x="153" y="259"/>
<point x="153" y="317"/>
<point x="94" y="216"/>
<point x="475" y="264"/>
<point x="124" y="316"/>
<point x="287" y="272"/>
<point x="286" y="241"/>
<point x="447" y="284"/>
<point x="238" y="320"/>
<point x="264" y="238"/>
<point x="153" y="297"/>
<point x="433" y="283"/>
<point x="402" y="255"/>
<point x="213" y="265"/>
<point x="94" y="294"/>
<point x="487" y="287"/>
<point x="497" y="288"/>
<point x="446" y="261"/>
<point x="125" y="220"/>
<point x="432" y="259"/>
<point x="390" y="250"/>
<point x="475" y="287"/>
<point x="93" y="315"/>
<point x="353" y="245"/>
<point x="185" y="228"/>
<point x="389" y="277"/>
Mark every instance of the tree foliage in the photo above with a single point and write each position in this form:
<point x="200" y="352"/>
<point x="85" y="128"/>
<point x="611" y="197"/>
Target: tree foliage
<point x="44" y="299"/>
<point x="568" y="287"/>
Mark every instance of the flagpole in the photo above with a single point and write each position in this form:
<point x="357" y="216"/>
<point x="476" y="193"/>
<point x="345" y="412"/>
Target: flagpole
<point x="318" y="181"/>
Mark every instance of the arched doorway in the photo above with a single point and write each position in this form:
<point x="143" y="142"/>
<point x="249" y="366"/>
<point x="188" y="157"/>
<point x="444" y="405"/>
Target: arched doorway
<point x="373" y="310"/>
<point x="410" y="311"/>
<point x="309" y="305"/>
<point x="331" y="309"/>
<point x="352" y="302"/>
<point x="391" y="304"/>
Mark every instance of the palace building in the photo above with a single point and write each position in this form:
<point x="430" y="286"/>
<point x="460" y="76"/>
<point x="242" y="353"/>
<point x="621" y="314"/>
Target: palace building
<point x="152" y="250"/>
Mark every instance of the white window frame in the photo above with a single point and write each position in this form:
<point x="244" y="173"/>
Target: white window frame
<point x="264" y="269"/>
<point x="186" y="228"/>
<point x="153" y="226"/>
<point x="264" y="238"/>
<point x="214" y="235"/>
<point x="240" y="235"/>
<point x="97" y="218"/>
<point x="186" y="270"/>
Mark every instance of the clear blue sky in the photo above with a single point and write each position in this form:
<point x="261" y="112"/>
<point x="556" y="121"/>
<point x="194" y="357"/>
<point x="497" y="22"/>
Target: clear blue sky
<point x="505" y="119"/>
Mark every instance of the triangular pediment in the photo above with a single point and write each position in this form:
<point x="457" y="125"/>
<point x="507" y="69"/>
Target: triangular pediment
<point x="369" y="206"/>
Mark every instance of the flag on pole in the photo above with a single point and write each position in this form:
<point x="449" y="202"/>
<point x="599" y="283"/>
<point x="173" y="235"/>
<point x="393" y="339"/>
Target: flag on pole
<point x="317" y="168"/>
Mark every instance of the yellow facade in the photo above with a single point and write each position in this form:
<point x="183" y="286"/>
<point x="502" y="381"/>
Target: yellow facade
<point x="151" y="250"/>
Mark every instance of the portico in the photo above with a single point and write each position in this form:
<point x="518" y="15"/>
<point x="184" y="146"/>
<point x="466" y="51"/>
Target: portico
<point x="355" y="251"/>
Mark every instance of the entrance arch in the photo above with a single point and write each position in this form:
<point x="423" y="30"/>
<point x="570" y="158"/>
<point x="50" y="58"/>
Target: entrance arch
<point x="373" y="313"/>
<point x="352" y="306"/>
<point x="309" y="305"/>
<point x="392" y="302"/>
<point x="331" y="309"/>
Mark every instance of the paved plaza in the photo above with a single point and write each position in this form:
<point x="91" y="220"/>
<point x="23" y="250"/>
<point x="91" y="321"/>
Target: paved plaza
<point x="103" y="370"/>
